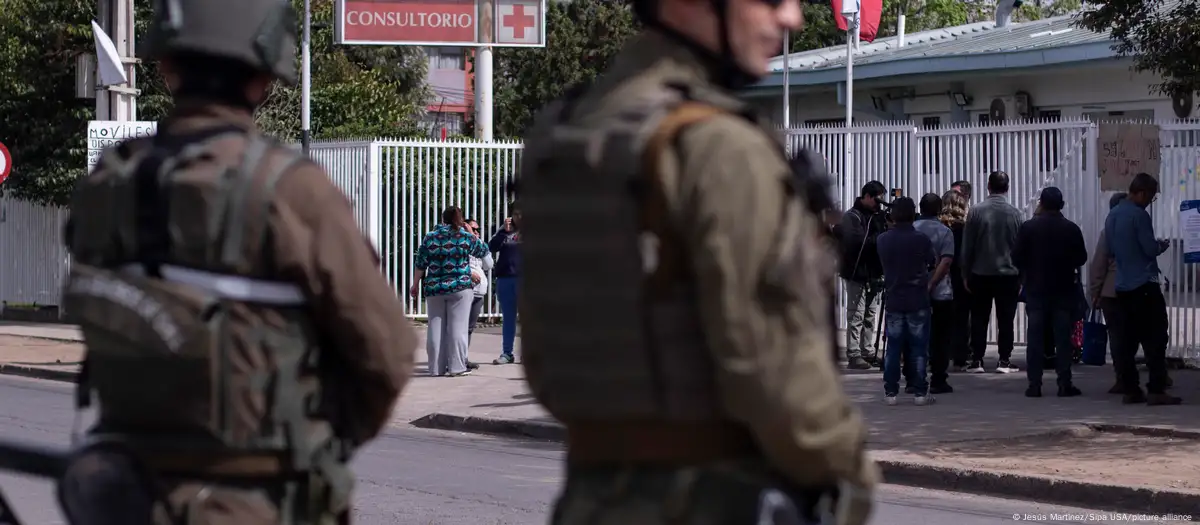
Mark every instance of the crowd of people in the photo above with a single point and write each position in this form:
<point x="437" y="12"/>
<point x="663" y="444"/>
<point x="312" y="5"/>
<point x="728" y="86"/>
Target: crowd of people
<point x="452" y="265"/>
<point x="938" y="268"/>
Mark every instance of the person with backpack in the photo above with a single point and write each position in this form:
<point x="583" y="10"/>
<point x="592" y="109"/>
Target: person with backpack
<point x="675" y="304"/>
<point x="239" y="336"/>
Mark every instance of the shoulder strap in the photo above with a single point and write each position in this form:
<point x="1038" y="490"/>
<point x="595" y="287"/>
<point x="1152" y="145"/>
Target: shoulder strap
<point x="664" y="257"/>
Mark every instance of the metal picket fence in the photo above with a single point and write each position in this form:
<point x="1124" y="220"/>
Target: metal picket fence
<point x="399" y="187"/>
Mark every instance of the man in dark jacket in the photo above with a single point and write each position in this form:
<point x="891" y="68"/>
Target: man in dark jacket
<point x="1048" y="253"/>
<point x="862" y="272"/>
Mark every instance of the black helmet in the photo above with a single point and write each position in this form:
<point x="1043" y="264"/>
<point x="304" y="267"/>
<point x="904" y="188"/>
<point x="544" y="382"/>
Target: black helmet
<point x="258" y="33"/>
<point x="731" y="74"/>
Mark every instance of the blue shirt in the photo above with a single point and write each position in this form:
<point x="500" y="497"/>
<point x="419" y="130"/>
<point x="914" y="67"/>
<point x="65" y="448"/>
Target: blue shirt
<point x="907" y="255"/>
<point x="445" y="257"/>
<point x="508" y="247"/>
<point x="943" y="245"/>
<point x="1129" y="232"/>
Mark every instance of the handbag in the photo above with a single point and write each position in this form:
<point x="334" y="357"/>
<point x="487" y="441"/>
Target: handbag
<point x="1095" y="339"/>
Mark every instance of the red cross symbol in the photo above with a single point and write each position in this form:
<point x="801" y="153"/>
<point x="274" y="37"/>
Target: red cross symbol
<point x="519" y="21"/>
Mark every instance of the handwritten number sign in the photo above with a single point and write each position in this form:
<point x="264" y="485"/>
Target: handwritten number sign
<point x="1126" y="150"/>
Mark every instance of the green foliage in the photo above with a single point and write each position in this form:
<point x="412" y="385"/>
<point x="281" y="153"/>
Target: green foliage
<point x="1162" y="37"/>
<point x="581" y="37"/>
<point x="41" y="121"/>
<point x="358" y="91"/>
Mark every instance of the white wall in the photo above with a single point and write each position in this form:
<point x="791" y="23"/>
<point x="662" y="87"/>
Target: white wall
<point x="1073" y="91"/>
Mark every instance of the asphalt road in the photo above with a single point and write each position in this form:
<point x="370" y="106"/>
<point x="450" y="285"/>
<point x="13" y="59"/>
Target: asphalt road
<point x="423" y="477"/>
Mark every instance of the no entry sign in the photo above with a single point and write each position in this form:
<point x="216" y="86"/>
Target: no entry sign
<point x="499" y="23"/>
<point x="5" y="163"/>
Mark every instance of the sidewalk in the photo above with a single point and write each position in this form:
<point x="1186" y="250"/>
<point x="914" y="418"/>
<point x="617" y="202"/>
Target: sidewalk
<point x="1089" y="451"/>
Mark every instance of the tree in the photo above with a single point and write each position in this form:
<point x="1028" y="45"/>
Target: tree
<point x="358" y="91"/>
<point x="581" y="38"/>
<point x="1162" y="38"/>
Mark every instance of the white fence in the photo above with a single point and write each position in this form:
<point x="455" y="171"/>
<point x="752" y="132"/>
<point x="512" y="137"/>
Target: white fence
<point x="399" y="187"/>
<point x="32" y="256"/>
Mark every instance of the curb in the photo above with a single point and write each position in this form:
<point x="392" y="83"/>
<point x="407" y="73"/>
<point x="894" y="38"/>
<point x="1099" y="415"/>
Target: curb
<point x="923" y="475"/>
<point x="34" y="372"/>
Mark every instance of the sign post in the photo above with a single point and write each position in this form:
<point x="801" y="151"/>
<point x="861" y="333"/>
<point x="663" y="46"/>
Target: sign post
<point x="6" y="163"/>
<point x="480" y="24"/>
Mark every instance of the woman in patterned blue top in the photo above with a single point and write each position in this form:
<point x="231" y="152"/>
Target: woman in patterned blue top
<point x="444" y="276"/>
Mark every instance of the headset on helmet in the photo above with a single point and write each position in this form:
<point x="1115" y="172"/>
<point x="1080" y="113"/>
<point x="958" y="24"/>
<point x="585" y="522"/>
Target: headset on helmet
<point x="258" y="33"/>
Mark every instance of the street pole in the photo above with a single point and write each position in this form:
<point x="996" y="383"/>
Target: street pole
<point x="850" y="11"/>
<point x="485" y="128"/>
<point x="787" y="84"/>
<point x="306" y="80"/>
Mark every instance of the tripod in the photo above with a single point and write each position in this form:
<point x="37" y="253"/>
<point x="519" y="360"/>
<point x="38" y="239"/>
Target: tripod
<point x="880" y="333"/>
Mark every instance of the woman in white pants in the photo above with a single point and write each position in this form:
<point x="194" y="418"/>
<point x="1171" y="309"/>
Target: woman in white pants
<point x="479" y="274"/>
<point x="443" y="275"/>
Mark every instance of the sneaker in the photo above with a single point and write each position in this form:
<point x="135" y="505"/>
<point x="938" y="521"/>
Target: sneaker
<point x="472" y="366"/>
<point x="890" y="400"/>
<point x="923" y="400"/>
<point x="459" y="374"/>
<point x="1006" y="367"/>
<point x="1033" y="391"/>
<point x="858" y="363"/>
<point x="504" y="359"/>
<point x="976" y="367"/>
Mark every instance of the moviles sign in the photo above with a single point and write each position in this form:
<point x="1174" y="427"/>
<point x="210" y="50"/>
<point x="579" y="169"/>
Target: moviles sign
<point x="506" y="23"/>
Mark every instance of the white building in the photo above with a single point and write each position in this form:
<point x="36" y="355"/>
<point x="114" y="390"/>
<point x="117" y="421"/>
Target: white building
<point x="972" y="73"/>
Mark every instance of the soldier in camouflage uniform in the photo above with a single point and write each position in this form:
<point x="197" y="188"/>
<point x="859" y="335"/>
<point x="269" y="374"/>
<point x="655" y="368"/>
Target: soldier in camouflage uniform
<point x="685" y="341"/>
<point x="240" y="338"/>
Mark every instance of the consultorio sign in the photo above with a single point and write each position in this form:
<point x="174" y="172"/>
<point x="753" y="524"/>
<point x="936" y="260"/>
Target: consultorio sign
<point x="500" y="23"/>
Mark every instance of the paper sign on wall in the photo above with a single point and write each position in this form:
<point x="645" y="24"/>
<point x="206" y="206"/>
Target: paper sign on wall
<point x="104" y="134"/>
<point x="1189" y="230"/>
<point x="1124" y="150"/>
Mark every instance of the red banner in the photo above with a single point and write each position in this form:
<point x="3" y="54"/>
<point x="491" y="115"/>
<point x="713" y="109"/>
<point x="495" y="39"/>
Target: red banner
<point x="869" y="13"/>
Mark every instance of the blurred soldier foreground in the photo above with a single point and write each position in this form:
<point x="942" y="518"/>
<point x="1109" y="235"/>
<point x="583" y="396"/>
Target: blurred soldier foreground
<point x="241" y="340"/>
<point x="685" y="340"/>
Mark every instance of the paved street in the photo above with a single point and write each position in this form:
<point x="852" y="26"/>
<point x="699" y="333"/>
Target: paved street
<point x="442" y="478"/>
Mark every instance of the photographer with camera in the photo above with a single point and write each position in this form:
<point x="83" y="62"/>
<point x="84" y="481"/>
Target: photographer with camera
<point x="862" y="272"/>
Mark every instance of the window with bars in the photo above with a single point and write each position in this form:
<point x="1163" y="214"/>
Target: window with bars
<point x="931" y="147"/>
<point x="1049" y="140"/>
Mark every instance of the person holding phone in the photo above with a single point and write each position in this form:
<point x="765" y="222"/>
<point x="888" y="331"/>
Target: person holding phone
<point x="506" y="243"/>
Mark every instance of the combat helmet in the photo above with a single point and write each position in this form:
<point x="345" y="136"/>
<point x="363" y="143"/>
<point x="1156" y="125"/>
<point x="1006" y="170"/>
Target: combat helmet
<point x="258" y="33"/>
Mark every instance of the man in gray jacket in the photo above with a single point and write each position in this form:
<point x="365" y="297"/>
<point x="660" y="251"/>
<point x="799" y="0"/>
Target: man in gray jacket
<point x="988" y="240"/>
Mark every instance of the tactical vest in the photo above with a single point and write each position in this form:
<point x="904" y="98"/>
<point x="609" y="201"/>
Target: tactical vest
<point x="624" y="339"/>
<point x="192" y="348"/>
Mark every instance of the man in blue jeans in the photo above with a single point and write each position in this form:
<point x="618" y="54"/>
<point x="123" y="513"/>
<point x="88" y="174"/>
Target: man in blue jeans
<point x="507" y="272"/>
<point x="1048" y="253"/>
<point x="907" y="256"/>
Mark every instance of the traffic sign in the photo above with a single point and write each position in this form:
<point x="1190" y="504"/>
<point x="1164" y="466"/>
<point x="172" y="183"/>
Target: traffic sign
<point x="5" y="163"/>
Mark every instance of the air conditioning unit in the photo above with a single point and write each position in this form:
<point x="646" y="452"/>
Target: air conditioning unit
<point x="1019" y="106"/>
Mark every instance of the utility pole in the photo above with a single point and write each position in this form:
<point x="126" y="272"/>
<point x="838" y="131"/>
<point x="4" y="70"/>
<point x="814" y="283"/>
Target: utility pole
<point x="119" y="102"/>
<point x="306" y="80"/>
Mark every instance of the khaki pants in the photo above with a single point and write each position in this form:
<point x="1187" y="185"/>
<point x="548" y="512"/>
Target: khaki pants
<point x="862" y="311"/>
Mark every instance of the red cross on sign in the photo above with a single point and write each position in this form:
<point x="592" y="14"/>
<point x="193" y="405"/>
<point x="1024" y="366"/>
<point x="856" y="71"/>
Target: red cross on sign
<point x="519" y="22"/>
